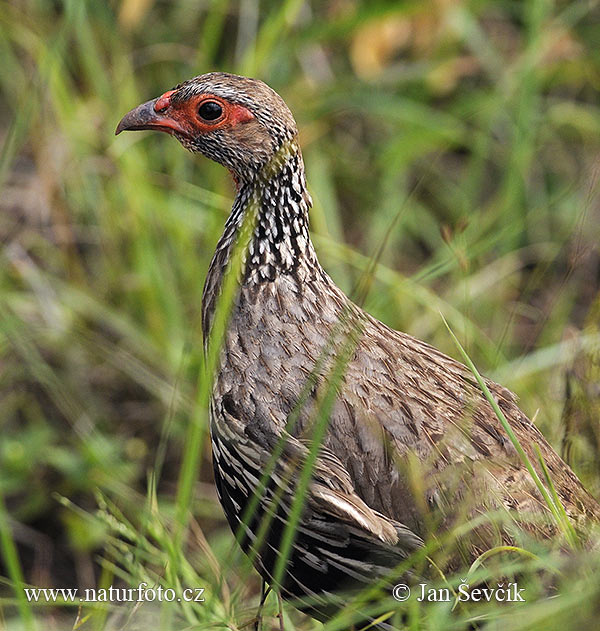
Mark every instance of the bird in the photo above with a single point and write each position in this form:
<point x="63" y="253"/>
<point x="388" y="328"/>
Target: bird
<point x="386" y="440"/>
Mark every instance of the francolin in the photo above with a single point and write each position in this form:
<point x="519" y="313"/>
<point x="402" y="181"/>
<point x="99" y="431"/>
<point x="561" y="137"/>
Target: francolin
<point x="408" y="446"/>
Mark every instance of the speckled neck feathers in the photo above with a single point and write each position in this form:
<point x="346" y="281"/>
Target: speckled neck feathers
<point x="280" y="242"/>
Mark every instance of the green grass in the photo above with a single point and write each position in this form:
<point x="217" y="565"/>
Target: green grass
<point x="456" y="172"/>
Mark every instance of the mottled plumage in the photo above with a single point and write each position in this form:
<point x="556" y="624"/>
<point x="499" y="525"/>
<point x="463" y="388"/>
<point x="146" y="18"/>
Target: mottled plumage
<point x="411" y="445"/>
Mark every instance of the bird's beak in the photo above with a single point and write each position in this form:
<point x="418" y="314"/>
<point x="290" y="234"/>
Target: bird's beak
<point x="149" y="116"/>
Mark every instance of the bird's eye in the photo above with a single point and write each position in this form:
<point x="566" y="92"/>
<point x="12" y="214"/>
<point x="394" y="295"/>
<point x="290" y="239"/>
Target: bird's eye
<point x="210" y="111"/>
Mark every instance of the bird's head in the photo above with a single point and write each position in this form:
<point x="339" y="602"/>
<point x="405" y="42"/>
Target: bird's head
<point x="239" y="122"/>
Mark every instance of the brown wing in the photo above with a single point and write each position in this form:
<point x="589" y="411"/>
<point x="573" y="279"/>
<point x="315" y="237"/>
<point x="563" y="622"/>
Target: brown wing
<point x="427" y="446"/>
<point x="418" y="441"/>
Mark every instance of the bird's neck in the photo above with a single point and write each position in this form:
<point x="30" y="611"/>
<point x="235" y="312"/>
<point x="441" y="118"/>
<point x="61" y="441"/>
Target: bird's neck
<point x="273" y="205"/>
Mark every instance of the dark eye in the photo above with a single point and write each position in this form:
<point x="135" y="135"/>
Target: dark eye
<point x="210" y="111"/>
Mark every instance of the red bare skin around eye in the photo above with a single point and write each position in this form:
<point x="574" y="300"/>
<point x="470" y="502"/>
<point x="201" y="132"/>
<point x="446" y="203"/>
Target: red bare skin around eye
<point x="184" y="117"/>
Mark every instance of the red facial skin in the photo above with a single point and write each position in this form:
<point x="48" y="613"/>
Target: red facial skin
<point x="183" y="117"/>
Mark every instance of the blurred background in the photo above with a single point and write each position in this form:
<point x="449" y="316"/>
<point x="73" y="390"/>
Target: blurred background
<point x="463" y="135"/>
